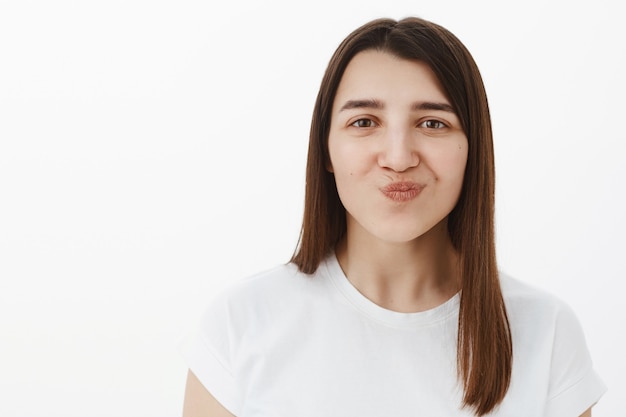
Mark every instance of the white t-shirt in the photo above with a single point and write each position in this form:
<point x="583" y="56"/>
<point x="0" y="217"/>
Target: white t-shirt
<point x="286" y="344"/>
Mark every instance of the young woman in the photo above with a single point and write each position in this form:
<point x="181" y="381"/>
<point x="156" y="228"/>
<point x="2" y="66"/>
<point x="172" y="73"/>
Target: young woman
<point x="392" y="304"/>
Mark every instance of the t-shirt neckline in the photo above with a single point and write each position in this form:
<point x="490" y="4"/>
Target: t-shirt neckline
<point x="375" y="312"/>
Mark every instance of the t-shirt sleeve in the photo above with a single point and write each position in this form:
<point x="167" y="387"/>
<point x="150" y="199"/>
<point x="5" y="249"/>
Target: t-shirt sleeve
<point x="574" y="384"/>
<point x="208" y="352"/>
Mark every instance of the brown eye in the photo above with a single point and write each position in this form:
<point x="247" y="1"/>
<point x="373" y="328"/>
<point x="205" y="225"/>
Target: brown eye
<point x="433" y="124"/>
<point x="363" y="123"/>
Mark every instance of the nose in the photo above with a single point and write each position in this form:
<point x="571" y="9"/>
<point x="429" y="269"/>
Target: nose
<point x="398" y="151"/>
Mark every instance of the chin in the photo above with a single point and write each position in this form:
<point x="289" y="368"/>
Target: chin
<point x="406" y="232"/>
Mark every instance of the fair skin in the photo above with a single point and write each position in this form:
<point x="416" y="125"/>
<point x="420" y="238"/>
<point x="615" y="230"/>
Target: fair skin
<point x="398" y="154"/>
<point x="199" y="402"/>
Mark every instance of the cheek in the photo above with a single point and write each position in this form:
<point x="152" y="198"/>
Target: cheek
<point x="461" y="164"/>
<point x="349" y="171"/>
<point x="460" y="161"/>
<point x="346" y="160"/>
<point x="332" y="162"/>
<point x="458" y="158"/>
<point x="450" y="163"/>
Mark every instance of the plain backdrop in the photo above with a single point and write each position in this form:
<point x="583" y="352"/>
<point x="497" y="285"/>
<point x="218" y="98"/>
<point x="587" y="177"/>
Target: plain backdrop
<point x="153" y="151"/>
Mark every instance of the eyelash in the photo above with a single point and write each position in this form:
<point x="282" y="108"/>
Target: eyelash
<point x="441" y="124"/>
<point x="425" y="123"/>
<point x="356" y="123"/>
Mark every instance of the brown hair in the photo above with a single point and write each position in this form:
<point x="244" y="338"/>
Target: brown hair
<point x="484" y="350"/>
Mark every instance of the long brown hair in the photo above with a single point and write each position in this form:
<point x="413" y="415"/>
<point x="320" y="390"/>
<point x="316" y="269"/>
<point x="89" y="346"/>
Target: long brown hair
<point x="484" y="350"/>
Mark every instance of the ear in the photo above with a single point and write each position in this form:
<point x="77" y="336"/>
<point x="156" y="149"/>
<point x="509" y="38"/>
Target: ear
<point x="329" y="167"/>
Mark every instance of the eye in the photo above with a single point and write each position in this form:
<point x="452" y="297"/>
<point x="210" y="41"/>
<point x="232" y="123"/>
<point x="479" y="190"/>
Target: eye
<point x="363" y="123"/>
<point x="433" y="124"/>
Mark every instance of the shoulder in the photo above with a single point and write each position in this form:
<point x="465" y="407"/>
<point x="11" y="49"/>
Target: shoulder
<point x="541" y="321"/>
<point x="549" y="350"/>
<point x="264" y="295"/>
<point x="527" y="300"/>
<point x="281" y="281"/>
<point x="268" y="280"/>
<point x="539" y="317"/>
<point x="239" y="320"/>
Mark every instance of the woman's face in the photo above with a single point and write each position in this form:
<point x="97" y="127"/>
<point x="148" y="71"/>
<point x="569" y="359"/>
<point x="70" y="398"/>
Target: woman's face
<point x="397" y="149"/>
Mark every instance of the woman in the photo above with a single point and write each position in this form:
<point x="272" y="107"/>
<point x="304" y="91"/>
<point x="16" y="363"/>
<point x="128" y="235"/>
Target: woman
<point x="392" y="303"/>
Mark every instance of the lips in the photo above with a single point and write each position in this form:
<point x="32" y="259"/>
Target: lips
<point x="402" y="191"/>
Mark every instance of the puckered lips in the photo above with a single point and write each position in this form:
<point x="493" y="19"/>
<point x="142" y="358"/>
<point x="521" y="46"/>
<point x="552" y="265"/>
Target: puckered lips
<point x="402" y="191"/>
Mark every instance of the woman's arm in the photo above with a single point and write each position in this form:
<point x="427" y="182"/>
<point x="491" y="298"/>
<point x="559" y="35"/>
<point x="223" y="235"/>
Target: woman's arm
<point x="200" y="403"/>
<point x="586" y="413"/>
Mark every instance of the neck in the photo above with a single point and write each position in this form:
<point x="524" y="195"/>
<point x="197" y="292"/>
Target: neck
<point x="407" y="277"/>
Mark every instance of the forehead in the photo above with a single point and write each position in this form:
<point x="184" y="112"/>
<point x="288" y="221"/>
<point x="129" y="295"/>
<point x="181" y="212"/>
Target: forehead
<point x="380" y="75"/>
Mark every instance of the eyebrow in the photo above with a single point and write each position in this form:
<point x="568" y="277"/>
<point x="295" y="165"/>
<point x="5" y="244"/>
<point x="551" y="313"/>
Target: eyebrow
<point x="363" y="104"/>
<point x="379" y="105"/>
<point x="428" y="105"/>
